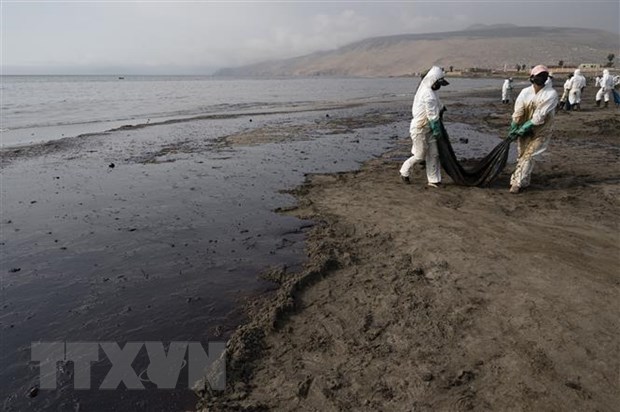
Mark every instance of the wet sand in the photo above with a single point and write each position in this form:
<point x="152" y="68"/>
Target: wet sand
<point x="451" y="299"/>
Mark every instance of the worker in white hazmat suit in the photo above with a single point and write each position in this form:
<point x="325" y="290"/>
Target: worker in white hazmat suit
<point x="507" y="90"/>
<point x="564" y="104"/>
<point x="425" y="127"/>
<point x="578" y="83"/>
<point x="532" y="122"/>
<point x="607" y="85"/>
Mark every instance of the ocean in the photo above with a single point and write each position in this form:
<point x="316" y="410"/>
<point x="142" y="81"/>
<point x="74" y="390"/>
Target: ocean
<point x="159" y="233"/>
<point x="42" y="108"/>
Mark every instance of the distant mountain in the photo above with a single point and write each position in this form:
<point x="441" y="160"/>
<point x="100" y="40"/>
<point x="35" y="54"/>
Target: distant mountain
<point x="491" y="26"/>
<point x="479" y="46"/>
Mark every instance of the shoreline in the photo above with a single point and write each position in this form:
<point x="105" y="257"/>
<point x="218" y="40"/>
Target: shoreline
<point x="50" y="132"/>
<point x="15" y="148"/>
<point x="457" y="299"/>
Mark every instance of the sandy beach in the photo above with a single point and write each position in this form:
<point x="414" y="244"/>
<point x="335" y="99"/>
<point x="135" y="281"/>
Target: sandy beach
<point x="416" y="299"/>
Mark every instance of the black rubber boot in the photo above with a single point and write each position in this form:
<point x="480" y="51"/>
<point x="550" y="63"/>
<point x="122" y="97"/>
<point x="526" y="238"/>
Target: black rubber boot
<point x="606" y="105"/>
<point x="598" y="103"/>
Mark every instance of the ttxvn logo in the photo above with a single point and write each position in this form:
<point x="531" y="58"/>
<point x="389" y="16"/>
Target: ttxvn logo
<point x="163" y="369"/>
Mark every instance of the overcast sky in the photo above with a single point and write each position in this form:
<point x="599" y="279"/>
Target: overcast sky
<point x="197" y="37"/>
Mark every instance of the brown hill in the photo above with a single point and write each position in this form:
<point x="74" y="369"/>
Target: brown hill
<point x="487" y="47"/>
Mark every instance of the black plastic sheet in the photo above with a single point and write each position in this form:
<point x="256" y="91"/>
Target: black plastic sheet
<point x="481" y="174"/>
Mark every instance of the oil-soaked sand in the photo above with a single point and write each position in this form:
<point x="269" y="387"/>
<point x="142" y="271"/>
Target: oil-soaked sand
<point x="452" y="299"/>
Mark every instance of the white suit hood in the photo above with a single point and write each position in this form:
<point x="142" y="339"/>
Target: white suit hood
<point x="426" y="104"/>
<point x="434" y="74"/>
<point x="577" y="72"/>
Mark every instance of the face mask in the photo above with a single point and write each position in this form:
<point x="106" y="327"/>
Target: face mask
<point x="441" y="82"/>
<point x="539" y="80"/>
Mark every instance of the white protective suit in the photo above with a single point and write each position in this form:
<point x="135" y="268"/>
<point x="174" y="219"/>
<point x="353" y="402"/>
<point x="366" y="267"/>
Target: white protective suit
<point x="506" y="90"/>
<point x="607" y="84"/>
<point x="566" y="88"/>
<point x="540" y="109"/>
<point x="426" y="108"/>
<point x="578" y="82"/>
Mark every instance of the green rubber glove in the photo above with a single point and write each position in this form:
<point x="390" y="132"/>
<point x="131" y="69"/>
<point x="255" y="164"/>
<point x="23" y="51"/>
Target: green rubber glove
<point x="435" y="127"/>
<point x="525" y="129"/>
<point x="514" y="126"/>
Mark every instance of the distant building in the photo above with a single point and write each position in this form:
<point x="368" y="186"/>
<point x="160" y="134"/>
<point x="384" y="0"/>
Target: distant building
<point x="477" y="70"/>
<point x="589" y="66"/>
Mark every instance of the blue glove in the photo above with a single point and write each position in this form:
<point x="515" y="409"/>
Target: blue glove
<point x="435" y="127"/>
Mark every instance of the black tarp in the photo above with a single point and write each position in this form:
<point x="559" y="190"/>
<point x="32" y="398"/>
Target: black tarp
<point x="481" y="174"/>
